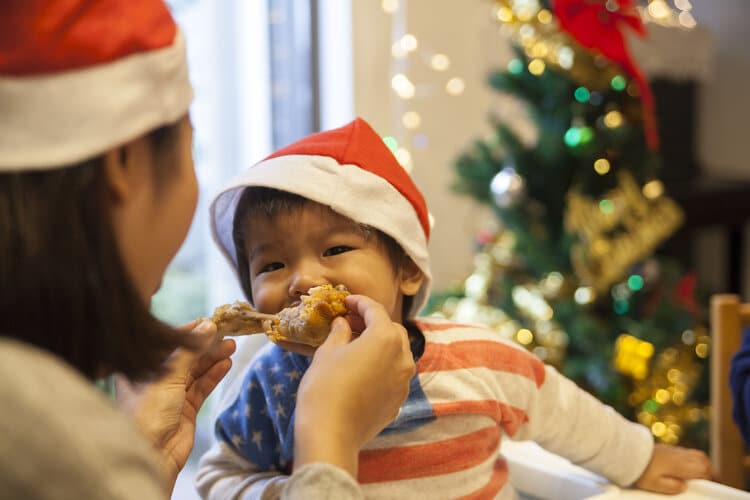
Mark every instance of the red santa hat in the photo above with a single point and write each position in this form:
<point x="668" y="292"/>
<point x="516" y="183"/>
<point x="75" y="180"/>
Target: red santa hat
<point x="349" y="169"/>
<point x="79" y="77"/>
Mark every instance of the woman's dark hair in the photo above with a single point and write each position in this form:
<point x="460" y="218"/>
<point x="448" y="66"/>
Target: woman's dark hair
<point x="269" y="202"/>
<point x="63" y="284"/>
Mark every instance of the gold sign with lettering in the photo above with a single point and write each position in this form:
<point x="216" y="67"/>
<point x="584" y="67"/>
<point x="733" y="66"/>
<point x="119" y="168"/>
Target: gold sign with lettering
<point x="619" y="230"/>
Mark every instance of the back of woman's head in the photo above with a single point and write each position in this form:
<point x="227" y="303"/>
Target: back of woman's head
<point x="68" y="100"/>
<point x="65" y="287"/>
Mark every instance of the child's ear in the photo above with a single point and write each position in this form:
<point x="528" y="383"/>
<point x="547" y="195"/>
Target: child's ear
<point x="411" y="277"/>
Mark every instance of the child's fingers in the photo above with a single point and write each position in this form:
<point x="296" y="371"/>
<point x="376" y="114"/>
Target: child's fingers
<point x="668" y="485"/>
<point x="694" y="465"/>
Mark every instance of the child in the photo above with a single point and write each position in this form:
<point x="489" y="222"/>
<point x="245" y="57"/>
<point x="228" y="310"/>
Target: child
<point x="337" y="207"/>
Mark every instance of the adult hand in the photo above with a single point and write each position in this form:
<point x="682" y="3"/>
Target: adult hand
<point x="168" y="407"/>
<point x="353" y="388"/>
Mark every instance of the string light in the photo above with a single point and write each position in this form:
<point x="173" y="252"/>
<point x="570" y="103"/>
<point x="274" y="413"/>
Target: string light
<point x="409" y="42"/>
<point x="455" y="86"/>
<point x="618" y="83"/>
<point x="536" y="67"/>
<point x="526" y="10"/>
<point x="658" y="9"/>
<point x="582" y="94"/>
<point x="539" y="49"/>
<point x="504" y="14"/>
<point x="524" y="336"/>
<point x="635" y="282"/>
<point x="544" y="16"/>
<point x="584" y="295"/>
<point x="653" y="189"/>
<point x="527" y="31"/>
<point x="397" y="51"/>
<point x="686" y="19"/>
<point x="515" y="66"/>
<point x="389" y="6"/>
<point x="565" y="57"/>
<point x="404" y="158"/>
<point x="440" y="62"/>
<point x="405" y="46"/>
<point x="403" y="87"/>
<point x="602" y="166"/>
<point x="421" y="141"/>
<point x="411" y="120"/>
<point x="613" y="119"/>
<point x="391" y="142"/>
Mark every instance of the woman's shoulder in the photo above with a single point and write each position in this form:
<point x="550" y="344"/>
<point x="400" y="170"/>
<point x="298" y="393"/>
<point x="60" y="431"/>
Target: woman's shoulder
<point x="34" y="379"/>
<point x="64" y="434"/>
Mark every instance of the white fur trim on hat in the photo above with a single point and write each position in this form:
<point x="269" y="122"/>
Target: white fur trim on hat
<point x="349" y="190"/>
<point x="54" y="120"/>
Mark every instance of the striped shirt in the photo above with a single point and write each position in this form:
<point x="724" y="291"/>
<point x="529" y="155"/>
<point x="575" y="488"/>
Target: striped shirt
<point x="472" y="389"/>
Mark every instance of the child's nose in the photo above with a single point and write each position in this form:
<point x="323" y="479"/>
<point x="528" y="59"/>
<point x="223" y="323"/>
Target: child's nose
<point x="305" y="277"/>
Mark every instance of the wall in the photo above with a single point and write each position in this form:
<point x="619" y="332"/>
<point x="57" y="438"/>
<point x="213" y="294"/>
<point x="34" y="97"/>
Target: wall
<point x="464" y="32"/>
<point x="724" y="112"/>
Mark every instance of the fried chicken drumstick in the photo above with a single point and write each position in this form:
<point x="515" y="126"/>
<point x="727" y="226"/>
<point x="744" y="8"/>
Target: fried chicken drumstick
<point x="309" y="322"/>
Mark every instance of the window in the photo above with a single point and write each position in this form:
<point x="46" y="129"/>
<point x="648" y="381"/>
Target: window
<point x="263" y="78"/>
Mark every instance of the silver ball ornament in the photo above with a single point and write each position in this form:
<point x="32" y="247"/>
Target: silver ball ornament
<point x="507" y="188"/>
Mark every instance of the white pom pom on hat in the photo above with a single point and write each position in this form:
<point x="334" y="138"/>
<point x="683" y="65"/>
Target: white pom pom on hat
<point x="350" y="170"/>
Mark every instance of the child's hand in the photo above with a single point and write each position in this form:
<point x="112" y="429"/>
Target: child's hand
<point x="671" y="466"/>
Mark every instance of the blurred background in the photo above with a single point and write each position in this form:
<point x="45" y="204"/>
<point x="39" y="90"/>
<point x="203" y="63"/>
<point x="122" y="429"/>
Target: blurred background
<point x="441" y="81"/>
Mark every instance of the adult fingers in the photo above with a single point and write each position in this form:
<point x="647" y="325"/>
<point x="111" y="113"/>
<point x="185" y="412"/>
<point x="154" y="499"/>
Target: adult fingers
<point x="222" y="351"/>
<point x="182" y="359"/>
<point x="341" y="334"/>
<point x="207" y="382"/>
<point x="369" y="312"/>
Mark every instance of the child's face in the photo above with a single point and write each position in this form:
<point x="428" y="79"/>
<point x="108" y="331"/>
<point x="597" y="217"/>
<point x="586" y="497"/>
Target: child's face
<point x="291" y="252"/>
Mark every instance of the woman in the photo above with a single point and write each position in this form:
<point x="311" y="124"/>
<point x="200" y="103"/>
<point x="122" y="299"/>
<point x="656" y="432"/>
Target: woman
<point x="97" y="191"/>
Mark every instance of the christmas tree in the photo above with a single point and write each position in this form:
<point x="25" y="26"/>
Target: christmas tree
<point x="569" y="269"/>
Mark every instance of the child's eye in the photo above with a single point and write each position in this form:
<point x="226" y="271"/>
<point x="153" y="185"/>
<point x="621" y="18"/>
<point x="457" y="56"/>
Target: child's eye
<point x="273" y="266"/>
<point x="336" y="250"/>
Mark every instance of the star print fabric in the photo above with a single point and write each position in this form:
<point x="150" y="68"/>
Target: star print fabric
<point x="259" y="424"/>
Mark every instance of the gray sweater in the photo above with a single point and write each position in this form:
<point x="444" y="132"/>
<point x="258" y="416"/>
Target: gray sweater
<point x="60" y="438"/>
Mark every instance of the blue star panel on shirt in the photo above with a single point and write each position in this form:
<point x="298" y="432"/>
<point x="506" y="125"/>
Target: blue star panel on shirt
<point x="259" y="423"/>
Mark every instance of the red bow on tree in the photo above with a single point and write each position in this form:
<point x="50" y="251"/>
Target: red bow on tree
<point x="597" y="27"/>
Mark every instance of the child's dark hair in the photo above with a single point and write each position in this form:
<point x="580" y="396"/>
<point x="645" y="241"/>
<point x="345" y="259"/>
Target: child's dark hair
<point x="268" y="202"/>
<point x="65" y="287"/>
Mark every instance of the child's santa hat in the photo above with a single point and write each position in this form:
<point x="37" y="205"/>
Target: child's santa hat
<point x="79" y="77"/>
<point x="349" y="169"/>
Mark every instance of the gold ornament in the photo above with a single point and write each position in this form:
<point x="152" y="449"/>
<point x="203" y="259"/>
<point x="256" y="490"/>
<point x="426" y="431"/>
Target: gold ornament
<point x="536" y="30"/>
<point x="662" y="399"/>
<point x="622" y="228"/>
<point x="632" y="356"/>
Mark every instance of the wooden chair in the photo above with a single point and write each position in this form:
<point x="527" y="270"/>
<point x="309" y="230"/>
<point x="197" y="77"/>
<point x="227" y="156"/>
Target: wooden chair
<point x="727" y="450"/>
